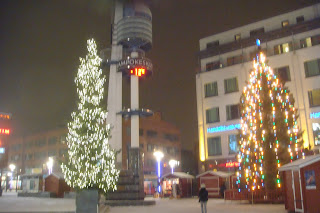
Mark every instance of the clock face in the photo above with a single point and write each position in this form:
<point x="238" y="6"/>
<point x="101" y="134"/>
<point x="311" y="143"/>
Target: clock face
<point x="138" y="71"/>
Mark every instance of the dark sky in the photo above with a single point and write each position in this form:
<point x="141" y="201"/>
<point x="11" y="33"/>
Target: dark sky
<point x="41" y="42"/>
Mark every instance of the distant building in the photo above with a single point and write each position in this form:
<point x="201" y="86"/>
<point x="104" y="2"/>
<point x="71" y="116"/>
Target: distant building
<point x="291" y="43"/>
<point x="155" y="135"/>
<point x="30" y="153"/>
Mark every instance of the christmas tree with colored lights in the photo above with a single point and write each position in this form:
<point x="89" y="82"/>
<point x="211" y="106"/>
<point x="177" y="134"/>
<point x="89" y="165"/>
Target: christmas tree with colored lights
<point x="269" y="133"/>
<point x="91" y="161"/>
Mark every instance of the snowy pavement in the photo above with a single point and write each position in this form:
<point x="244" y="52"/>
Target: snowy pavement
<point x="9" y="202"/>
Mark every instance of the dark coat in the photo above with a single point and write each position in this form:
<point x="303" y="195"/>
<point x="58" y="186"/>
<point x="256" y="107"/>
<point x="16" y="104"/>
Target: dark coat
<point x="203" y="195"/>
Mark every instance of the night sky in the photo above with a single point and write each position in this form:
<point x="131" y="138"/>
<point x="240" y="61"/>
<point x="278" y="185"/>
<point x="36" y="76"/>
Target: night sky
<point x="41" y="42"/>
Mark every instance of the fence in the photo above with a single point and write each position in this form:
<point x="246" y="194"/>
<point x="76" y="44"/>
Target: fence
<point x="258" y="196"/>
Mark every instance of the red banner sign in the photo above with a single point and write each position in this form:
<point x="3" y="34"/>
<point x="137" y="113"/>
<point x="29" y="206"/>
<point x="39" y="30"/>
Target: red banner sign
<point x="4" y="131"/>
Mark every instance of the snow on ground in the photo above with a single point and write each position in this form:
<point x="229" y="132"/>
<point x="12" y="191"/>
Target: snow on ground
<point x="9" y="202"/>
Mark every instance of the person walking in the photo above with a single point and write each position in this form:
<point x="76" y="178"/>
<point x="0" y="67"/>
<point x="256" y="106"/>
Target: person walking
<point x="203" y="198"/>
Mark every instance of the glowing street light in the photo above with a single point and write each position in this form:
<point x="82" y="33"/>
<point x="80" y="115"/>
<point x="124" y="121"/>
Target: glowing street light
<point x="12" y="167"/>
<point x="159" y="156"/>
<point x="50" y="165"/>
<point x="172" y="164"/>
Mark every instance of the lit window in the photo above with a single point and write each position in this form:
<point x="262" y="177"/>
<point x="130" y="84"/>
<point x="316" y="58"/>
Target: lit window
<point x="212" y="115"/>
<point x="237" y="37"/>
<point x="211" y="89"/>
<point x="233" y="112"/>
<point x="316" y="133"/>
<point x="314" y="97"/>
<point x="305" y="42"/>
<point x="283" y="73"/>
<point x="233" y="144"/>
<point x="214" y="146"/>
<point x="312" y="68"/>
<point x="231" y="85"/>
<point x="285" y="23"/>
<point x="282" y="48"/>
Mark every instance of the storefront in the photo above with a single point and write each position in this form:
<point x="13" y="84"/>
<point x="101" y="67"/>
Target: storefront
<point x="177" y="184"/>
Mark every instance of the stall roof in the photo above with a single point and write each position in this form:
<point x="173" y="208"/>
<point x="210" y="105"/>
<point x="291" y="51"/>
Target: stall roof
<point x="217" y="173"/>
<point x="296" y="165"/>
<point x="57" y="175"/>
<point x="178" y="175"/>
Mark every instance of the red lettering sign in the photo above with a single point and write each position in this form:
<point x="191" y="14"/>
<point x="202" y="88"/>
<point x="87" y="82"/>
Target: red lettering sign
<point x="4" y="131"/>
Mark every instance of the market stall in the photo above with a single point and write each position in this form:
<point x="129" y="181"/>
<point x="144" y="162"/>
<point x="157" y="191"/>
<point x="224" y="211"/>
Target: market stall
<point x="177" y="184"/>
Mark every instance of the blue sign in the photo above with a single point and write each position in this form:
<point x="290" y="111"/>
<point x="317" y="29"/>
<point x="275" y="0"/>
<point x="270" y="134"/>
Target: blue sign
<point x="2" y="151"/>
<point x="315" y="115"/>
<point x="258" y="42"/>
<point x="223" y="128"/>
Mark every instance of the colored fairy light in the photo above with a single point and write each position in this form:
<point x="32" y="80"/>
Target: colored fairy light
<point x="253" y="125"/>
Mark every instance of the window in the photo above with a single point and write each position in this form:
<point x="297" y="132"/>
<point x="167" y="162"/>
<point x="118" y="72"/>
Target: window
<point x="316" y="133"/>
<point x="306" y="42"/>
<point x="212" y="115"/>
<point x="213" y="44"/>
<point x="171" y="137"/>
<point x="233" y="112"/>
<point x="40" y="155"/>
<point x="63" y="152"/>
<point x="233" y="144"/>
<point x="283" y="73"/>
<point x="52" y="140"/>
<point x="314" y="97"/>
<point x="141" y="145"/>
<point x="231" y="85"/>
<point x="312" y="68"/>
<point x="63" y="138"/>
<point x="214" y="146"/>
<point x="256" y="32"/>
<point x="140" y="132"/>
<point x="282" y="48"/>
<point x="29" y="144"/>
<point x="300" y="19"/>
<point x="41" y="142"/>
<point x="28" y="156"/>
<point x="16" y="147"/>
<point x="237" y="37"/>
<point x="212" y="66"/>
<point x="285" y="23"/>
<point x="52" y="153"/>
<point x="211" y="89"/>
<point x="151" y="133"/>
<point x="150" y="147"/>
<point x="32" y="184"/>
<point x="234" y="60"/>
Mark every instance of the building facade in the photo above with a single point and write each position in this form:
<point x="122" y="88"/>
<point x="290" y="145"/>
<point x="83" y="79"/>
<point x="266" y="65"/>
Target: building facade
<point x="291" y="44"/>
<point x="155" y="134"/>
<point x="30" y="154"/>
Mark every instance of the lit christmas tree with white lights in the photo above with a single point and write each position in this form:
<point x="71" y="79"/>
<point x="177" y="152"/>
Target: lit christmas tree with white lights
<point x="91" y="161"/>
<point x="269" y="133"/>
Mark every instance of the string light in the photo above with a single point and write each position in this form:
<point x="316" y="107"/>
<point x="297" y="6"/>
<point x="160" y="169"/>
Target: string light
<point x="264" y="93"/>
<point x="91" y="161"/>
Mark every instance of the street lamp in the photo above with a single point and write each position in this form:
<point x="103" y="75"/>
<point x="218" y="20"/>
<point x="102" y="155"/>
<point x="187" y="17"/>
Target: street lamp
<point x="50" y="165"/>
<point x="172" y="164"/>
<point x="159" y="156"/>
<point x="12" y="167"/>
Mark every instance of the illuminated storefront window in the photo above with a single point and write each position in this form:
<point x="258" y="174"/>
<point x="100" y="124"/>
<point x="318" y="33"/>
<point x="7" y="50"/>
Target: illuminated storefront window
<point x="316" y="133"/>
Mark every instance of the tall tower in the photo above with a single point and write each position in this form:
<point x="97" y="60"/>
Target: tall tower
<point x="131" y="38"/>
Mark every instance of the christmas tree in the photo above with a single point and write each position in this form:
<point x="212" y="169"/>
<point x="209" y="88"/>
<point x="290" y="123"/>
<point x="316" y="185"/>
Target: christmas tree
<point x="91" y="161"/>
<point x="269" y="133"/>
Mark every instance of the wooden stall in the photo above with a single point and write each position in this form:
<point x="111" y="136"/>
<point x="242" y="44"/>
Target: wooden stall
<point x="177" y="184"/>
<point x="55" y="183"/>
<point x="301" y="182"/>
<point x="32" y="183"/>
<point x="214" y="180"/>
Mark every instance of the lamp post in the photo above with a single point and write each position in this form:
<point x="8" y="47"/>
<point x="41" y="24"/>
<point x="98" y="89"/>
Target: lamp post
<point x="50" y="165"/>
<point x="172" y="164"/>
<point x="159" y="156"/>
<point x="12" y="167"/>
